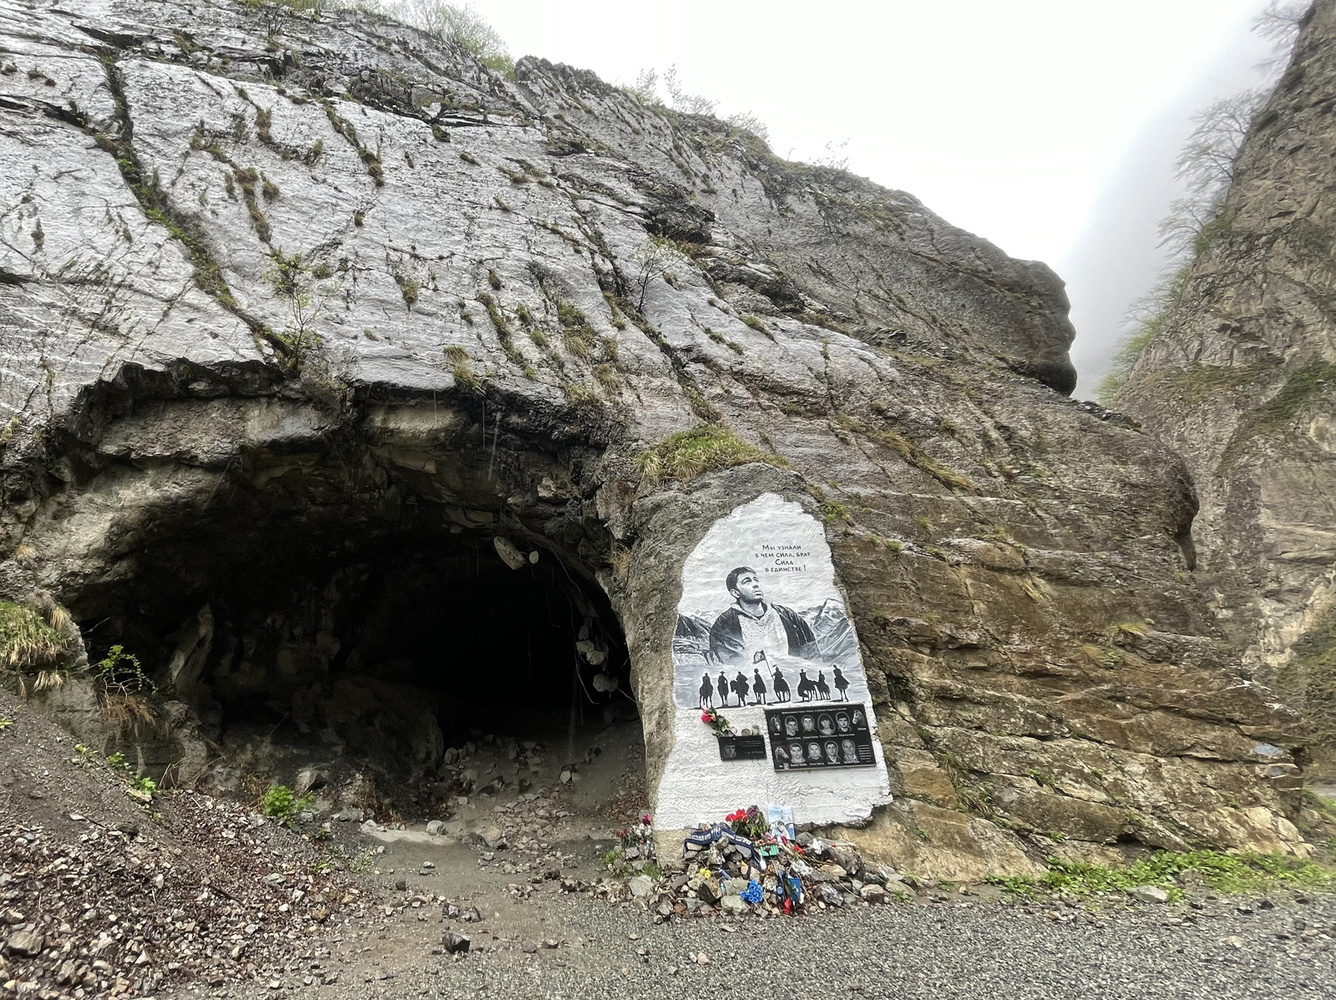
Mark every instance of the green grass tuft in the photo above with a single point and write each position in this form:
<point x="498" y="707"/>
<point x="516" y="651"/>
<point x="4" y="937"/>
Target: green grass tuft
<point x="27" y="641"/>
<point x="1314" y="381"/>
<point x="687" y="454"/>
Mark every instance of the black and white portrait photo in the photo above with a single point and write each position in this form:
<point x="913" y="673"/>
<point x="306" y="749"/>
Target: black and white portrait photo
<point x="764" y="631"/>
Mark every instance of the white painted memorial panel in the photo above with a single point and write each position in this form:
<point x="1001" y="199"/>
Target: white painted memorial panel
<point x="761" y="625"/>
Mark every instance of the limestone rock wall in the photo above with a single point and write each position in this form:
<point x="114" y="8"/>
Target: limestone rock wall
<point x="1241" y="381"/>
<point x="275" y="274"/>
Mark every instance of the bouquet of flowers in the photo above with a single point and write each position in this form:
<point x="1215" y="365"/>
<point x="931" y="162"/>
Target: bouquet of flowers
<point x="750" y="823"/>
<point x="716" y="722"/>
<point x="634" y="844"/>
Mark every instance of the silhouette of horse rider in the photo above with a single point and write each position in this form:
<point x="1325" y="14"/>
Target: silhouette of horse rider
<point x="758" y="687"/>
<point x="722" y="688"/>
<point x="841" y="684"/>
<point x="706" y="692"/>
<point x="752" y="624"/>
<point x="806" y="686"/>
<point x="781" y="686"/>
<point x="740" y="688"/>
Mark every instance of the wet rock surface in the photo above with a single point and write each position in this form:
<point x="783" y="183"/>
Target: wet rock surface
<point x="1241" y="381"/>
<point x="316" y="300"/>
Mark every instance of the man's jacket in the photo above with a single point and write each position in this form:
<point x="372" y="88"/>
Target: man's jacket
<point x="726" y="636"/>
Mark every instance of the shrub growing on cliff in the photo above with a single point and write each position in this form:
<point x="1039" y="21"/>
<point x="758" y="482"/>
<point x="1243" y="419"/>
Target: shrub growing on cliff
<point x="120" y="672"/>
<point x="459" y="24"/>
<point x="28" y="641"/>
<point x="687" y="454"/>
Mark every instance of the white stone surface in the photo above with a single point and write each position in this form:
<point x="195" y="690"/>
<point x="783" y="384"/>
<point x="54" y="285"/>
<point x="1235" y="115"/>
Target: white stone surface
<point x="788" y="547"/>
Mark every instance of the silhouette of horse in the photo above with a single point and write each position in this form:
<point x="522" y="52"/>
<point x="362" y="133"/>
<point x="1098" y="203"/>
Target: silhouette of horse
<point x="841" y="684"/>
<point x="722" y="688"/>
<point x="706" y="692"/>
<point x="781" y="687"/>
<point x="822" y="688"/>
<point x="806" y="686"/>
<point x="758" y="688"/>
<point x="740" y="689"/>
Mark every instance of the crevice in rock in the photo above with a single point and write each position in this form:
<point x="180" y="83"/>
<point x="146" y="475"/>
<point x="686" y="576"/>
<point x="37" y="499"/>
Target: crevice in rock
<point x="158" y="208"/>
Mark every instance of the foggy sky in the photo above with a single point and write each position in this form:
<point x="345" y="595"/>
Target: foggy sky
<point x="1116" y="258"/>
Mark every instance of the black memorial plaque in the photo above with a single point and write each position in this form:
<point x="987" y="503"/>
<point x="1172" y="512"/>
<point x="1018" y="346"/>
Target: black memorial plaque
<point x="816" y="736"/>
<point x="742" y="748"/>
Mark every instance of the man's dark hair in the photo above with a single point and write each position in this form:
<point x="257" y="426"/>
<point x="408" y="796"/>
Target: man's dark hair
<point x="732" y="580"/>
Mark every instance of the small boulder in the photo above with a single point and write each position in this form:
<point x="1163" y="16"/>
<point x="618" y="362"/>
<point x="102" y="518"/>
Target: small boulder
<point x="847" y="858"/>
<point x="733" y="904"/>
<point x="829" y="895"/>
<point x="308" y="778"/>
<point x="454" y="942"/>
<point x="1150" y="894"/>
<point x="873" y="893"/>
<point x="641" y="886"/>
<point x="28" y="944"/>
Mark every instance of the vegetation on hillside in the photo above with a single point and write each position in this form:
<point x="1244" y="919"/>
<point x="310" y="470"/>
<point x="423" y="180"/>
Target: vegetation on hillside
<point x="1171" y="870"/>
<point x="459" y="24"/>
<point x="687" y="454"/>
<point x="1205" y="166"/>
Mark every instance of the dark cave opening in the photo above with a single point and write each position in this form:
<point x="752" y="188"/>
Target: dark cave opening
<point x="371" y="649"/>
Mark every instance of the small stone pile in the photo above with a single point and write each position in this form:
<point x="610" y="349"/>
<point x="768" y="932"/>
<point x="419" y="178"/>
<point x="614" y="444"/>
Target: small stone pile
<point x="487" y="767"/>
<point x="783" y="877"/>
<point x="117" y="912"/>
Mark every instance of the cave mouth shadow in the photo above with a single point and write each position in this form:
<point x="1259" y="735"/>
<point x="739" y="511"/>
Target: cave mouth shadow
<point x="377" y="653"/>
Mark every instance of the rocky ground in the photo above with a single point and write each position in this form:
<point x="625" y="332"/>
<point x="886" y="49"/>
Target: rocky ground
<point x="187" y="895"/>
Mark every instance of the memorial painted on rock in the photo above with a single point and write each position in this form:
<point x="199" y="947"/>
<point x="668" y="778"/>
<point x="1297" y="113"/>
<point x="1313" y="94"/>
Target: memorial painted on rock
<point x="763" y="644"/>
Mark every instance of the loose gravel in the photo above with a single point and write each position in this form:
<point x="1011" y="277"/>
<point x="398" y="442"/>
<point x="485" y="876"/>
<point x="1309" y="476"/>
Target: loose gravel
<point x="945" y="946"/>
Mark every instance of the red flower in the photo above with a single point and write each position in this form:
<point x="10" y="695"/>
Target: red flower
<point x="645" y="819"/>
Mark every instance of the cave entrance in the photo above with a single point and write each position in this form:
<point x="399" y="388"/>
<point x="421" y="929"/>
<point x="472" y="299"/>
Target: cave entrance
<point x="404" y="668"/>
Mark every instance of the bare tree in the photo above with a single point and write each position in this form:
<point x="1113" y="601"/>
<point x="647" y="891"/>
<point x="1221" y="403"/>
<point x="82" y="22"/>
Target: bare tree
<point x="1281" y="21"/>
<point x="748" y="122"/>
<point x="652" y="258"/>
<point x="680" y="100"/>
<point x="1206" y="168"/>
<point x="646" y="88"/>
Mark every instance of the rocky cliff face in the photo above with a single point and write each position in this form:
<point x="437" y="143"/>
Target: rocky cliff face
<point x="290" y="300"/>
<point x="1241" y="381"/>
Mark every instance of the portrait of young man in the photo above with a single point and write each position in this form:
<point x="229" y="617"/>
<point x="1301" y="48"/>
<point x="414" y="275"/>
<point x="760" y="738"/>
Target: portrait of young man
<point x="752" y="625"/>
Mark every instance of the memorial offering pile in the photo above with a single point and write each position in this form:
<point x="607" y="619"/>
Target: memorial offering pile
<point x="634" y="851"/>
<point x="752" y="863"/>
